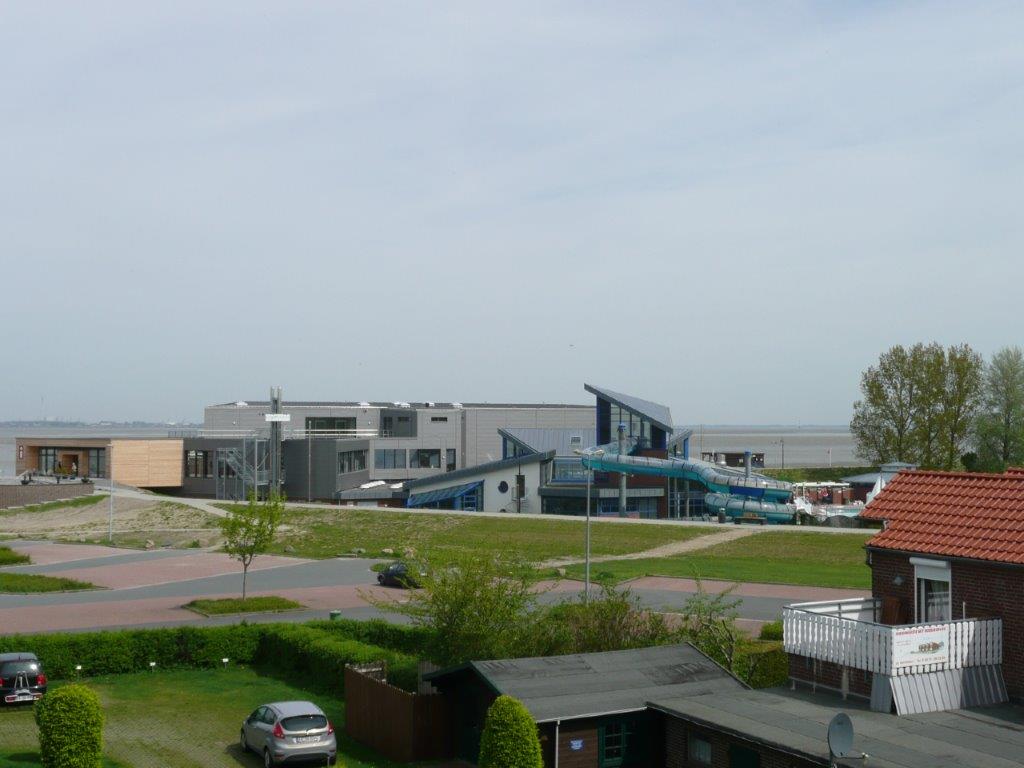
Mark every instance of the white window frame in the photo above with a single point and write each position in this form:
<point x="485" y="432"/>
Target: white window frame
<point x="930" y="570"/>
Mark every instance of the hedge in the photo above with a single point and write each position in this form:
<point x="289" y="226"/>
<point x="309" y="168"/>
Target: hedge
<point x="397" y="637"/>
<point x="70" y="722"/>
<point x="311" y="652"/>
<point x="762" y="664"/>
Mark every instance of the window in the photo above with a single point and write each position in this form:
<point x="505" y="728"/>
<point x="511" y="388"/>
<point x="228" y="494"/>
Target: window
<point x="47" y="459"/>
<point x="389" y="458"/>
<point x="331" y="424"/>
<point x="97" y="462"/>
<point x="621" y="743"/>
<point x="351" y="461"/>
<point x="198" y="464"/>
<point x="931" y="579"/>
<point x="425" y="458"/>
<point x="575" y="441"/>
<point x="743" y="757"/>
<point x="439" y="419"/>
<point x="449" y="465"/>
<point x="698" y="750"/>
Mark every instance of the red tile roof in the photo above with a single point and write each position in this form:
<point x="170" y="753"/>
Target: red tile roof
<point x="957" y="514"/>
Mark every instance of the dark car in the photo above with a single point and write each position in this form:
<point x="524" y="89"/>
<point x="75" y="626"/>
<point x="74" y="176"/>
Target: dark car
<point x="21" y="678"/>
<point x="400" y="574"/>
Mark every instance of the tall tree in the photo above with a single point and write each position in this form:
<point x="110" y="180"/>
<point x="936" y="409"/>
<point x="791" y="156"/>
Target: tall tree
<point x="928" y="365"/>
<point x="961" y="399"/>
<point x="999" y="428"/>
<point x="884" y="417"/>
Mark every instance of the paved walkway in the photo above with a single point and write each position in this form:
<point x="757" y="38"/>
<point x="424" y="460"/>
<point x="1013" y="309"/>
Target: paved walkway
<point x="664" y="550"/>
<point x="148" y="588"/>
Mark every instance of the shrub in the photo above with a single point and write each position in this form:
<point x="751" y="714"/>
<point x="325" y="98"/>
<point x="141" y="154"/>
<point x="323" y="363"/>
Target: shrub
<point x="9" y="557"/>
<point x="510" y="738"/>
<point x="771" y="631"/>
<point x="70" y="722"/>
<point x="762" y="664"/>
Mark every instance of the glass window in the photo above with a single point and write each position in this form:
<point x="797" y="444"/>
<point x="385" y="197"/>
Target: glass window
<point x="351" y="461"/>
<point x="198" y="464"/>
<point x="449" y="465"/>
<point x="620" y="745"/>
<point x="439" y="419"/>
<point x="932" y="600"/>
<point x="97" y="462"/>
<point x="425" y="458"/>
<point x="331" y="423"/>
<point x="698" y="750"/>
<point x="389" y="458"/>
<point x="47" y="459"/>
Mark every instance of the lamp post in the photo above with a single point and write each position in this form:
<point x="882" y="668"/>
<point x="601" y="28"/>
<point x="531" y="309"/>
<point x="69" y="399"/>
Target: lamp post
<point x="110" y="474"/>
<point x="589" y="453"/>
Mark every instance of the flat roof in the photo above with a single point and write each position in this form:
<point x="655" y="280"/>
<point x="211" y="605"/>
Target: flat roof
<point x="389" y="404"/>
<point x="796" y="722"/>
<point x="598" y="684"/>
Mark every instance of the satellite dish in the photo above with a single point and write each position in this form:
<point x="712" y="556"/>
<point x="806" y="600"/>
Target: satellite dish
<point x="840" y="736"/>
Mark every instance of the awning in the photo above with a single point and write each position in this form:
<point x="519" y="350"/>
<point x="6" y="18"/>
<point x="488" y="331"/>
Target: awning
<point x="443" y="494"/>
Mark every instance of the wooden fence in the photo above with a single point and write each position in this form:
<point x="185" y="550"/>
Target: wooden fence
<point x="402" y="726"/>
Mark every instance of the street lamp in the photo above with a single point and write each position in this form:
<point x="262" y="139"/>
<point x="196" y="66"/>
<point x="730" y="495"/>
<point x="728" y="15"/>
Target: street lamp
<point x="590" y="453"/>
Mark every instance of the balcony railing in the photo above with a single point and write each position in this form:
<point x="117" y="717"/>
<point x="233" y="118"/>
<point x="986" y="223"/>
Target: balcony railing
<point x="846" y="632"/>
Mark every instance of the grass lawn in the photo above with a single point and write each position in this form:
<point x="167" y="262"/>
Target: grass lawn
<point x="31" y="582"/>
<point x="330" y="532"/>
<point x="236" y="605"/>
<point x="9" y="557"/>
<point x="181" y="718"/>
<point x="809" y="559"/>
<point x="80" y="501"/>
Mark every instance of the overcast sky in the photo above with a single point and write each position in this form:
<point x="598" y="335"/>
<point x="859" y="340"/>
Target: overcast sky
<point x="728" y="208"/>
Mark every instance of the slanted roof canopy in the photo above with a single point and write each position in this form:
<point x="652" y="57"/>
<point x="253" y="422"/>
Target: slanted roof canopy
<point x="657" y="414"/>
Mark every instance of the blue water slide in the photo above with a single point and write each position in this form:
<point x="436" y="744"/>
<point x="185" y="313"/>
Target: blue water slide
<point x="733" y="491"/>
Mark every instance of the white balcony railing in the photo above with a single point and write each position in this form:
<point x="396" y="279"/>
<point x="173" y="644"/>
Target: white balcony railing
<point x="846" y="632"/>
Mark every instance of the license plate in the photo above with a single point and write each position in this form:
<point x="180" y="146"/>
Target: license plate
<point x="306" y="739"/>
<point x="19" y="697"/>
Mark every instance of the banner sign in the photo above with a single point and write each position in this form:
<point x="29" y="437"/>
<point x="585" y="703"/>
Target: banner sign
<point x="920" y="645"/>
<point x="277" y="416"/>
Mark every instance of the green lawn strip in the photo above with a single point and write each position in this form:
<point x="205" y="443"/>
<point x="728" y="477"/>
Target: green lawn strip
<point x="183" y="718"/>
<point x="806" y="559"/>
<point x="78" y="501"/>
<point x="230" y="605"/>
<point x="9" y="557"/>
<point x="31" y="582"/>
<point x="329" y="532"/>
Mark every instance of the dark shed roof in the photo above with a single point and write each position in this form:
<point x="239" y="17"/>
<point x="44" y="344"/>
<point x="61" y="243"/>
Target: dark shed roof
<point x="657" y="414"/>
<point x="597" y="684"/>
<point x="796" y="722"/>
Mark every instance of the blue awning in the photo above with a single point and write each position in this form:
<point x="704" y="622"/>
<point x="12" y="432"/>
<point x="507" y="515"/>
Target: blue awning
<point x="443" y="494"/>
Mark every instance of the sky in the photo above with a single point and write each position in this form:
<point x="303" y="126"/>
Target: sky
<point x="728" y="208"/>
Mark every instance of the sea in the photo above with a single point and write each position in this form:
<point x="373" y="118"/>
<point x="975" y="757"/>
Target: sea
<point x="782" y="445"/>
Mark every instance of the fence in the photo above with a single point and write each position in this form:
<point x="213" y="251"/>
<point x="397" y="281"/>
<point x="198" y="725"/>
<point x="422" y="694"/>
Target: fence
<point x="402" y="726"/>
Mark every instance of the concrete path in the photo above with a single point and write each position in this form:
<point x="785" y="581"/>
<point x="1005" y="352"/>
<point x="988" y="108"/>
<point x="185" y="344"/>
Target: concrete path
<point x="148" y="588"/>
<point x="664" y="550"/>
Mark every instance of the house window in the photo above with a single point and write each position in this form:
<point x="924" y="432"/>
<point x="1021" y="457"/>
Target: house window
<point x="351" y="461"/>
<point x="330" y="424"/>
<point x="389" y="458"/>
<point x="449" y="465"/>
<point x="698" y="750"/>
<point x="47" y="459"/>
<point x="743" y="757"/>
<point x="620" y="744"/>
<point x="97" y="462"/>
<point x="439" y="419"/>
<point x="931" y="580"/>
<point x="575" y="441"/>
<point x="425" y="458"/>
<point x="198" y="464"/>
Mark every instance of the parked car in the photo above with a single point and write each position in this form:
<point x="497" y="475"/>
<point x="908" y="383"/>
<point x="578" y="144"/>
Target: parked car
<point x="21" y="678"/>
<point x="400" y="574"/>
<point x="288" y="732"/>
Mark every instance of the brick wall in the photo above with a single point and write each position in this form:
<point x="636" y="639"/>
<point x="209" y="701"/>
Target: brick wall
<point x="677" y="732"/>
<point x="22" y="495"/>
<point x="979" y="590"/>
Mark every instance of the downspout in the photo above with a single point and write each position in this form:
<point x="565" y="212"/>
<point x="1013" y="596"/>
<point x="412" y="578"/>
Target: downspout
<point x="557" y="723"/>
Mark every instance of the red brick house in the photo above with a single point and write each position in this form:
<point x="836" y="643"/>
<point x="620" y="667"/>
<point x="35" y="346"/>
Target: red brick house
<point x="944" y="627"/>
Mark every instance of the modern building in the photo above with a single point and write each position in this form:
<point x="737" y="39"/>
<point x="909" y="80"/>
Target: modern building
<point x="343" y="451"/>
<point x="140" y="462"/>
<point x="507" y="485"/>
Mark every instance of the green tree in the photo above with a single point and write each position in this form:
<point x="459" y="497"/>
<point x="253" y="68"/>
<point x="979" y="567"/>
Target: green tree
<point x="70" y="722"/>
<point x="918" y="405"/>
<point x="999" y="428"/>
<point x="249" y="530"/>
<point x="475" y="607"/>
<point x="510" y="737"/>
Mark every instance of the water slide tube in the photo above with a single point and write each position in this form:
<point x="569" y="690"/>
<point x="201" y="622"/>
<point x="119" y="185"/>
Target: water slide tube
<point x="730" y="490"/>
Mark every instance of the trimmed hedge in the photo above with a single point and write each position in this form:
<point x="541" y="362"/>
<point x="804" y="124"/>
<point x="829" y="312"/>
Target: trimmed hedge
<point x="70" y="721"/>
<point x="398" y="637"/>
<point x="510" y="737"/>
<point x="308" y="651"/>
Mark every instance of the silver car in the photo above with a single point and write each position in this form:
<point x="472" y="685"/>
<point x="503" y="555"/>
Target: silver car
<point x="290" y="732"/>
